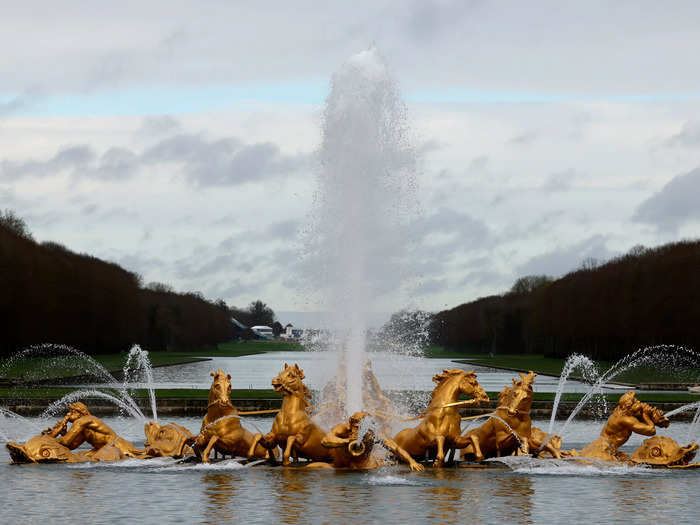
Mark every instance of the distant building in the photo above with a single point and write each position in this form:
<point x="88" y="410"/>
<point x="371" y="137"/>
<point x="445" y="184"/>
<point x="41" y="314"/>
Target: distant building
<point x="292" y="333"/>
<point x="263" y="331"/>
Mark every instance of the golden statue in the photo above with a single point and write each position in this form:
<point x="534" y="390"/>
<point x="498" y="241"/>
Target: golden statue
<point x="57" y="442"/>
<point x="352" y="452"/>
<point x="332" y="407"/>
<point x="543" y="444"/>
<point x="630" y="415"/>
<point x="440" y="429"/>
<point x="167" y="440"/>
<point x="293" y="429"/>
<point x="373" y="398"/>
<point x="508" y="433"/>
<point x="86" y="428"/>
<point x="221" y="428"/>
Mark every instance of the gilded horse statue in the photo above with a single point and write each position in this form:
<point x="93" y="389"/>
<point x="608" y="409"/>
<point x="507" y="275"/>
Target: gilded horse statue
<point x="510" y="431"/>
<point x="221" y="428"/>
<point x="440" y="429"/>
<point x="293" y="429"/>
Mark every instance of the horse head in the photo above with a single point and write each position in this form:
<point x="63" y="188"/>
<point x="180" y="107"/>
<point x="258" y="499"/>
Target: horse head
<point x="220" y="387"/>
<point x="518" y="398"/>
<point x="290" y="381"/>
<point x="463" y="382"/>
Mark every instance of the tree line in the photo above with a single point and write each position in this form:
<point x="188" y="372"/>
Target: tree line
<point x="51" y="294"/>
<point x="643" y="298"/>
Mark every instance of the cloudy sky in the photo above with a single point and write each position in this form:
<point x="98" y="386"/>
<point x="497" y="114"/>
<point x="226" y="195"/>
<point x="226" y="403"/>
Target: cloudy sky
<point x="179" y="138"/>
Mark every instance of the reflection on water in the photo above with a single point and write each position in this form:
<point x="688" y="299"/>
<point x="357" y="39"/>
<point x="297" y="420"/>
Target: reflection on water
<point x="220" y="493"/>
<point x="141" y="492"/>
<point x="292" y="496"/>
<point x="88" y="494"/>
<point x="517" y="493"/>
<point x="444" y="500"/>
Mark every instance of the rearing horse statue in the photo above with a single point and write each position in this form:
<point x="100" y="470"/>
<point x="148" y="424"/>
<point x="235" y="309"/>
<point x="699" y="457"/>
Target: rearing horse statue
<point x="293" y="429"/>
<point x="441" y="428"/>
<point x="510" y="431"/>
<point x="221" y="429"/>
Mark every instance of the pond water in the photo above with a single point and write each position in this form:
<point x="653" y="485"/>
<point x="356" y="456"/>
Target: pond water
<point x="161" y="491"/>
<point x="395" y="372"/>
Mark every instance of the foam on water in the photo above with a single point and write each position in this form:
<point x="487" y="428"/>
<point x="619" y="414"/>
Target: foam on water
<point x="152" y="463"/>
<point x="388" y="479"/>
<point x="571" y="467"/>
<point x="227" y="464"/>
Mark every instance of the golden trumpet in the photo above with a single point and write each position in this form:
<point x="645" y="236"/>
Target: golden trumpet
<point x="356" y="448"/>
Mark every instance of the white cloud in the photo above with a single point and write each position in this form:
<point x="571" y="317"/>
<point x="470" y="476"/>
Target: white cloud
<point x="213" y="199"/>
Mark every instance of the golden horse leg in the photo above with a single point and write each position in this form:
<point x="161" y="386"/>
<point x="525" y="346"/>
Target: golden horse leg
<point x="478" y="455"/>
<point x="205" y="454"/>
<point x="440" y="457"/>
<point x="288" y="451"/>
<point x="256" y="440"/>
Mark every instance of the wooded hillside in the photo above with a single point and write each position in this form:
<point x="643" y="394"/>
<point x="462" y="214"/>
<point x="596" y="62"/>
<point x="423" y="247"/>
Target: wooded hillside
<point x="646" y="297"/>
<point x="51" y="294"/>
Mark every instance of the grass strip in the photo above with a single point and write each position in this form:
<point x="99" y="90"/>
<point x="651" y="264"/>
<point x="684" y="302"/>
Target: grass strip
<point x="182" y="393"/>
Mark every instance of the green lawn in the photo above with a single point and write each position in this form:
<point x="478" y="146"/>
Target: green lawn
<point x="170" y="393"/>
<point x="554" y="366"/>
<point x="56" y="393"/>
<point x="36" y="369"/>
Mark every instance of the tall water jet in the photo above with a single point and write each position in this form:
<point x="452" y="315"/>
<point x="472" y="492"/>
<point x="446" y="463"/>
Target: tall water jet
<point x="139" y="363"/>
<point x="588" y="369"/>
<point x="669" y="357"/>
<point x="364" y="202"/>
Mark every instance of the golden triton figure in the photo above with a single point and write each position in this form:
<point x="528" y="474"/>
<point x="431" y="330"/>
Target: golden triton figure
<point x="352" y="452"/>
<point x="630" y="415"/>
<point x="57" y="442"/>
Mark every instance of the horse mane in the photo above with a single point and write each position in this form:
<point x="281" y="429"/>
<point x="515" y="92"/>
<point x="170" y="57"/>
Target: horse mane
<point x="446" y="374"/>
<point x="304" y="390"/>
<point x="525" y="382"/>
<point x="504" y="395"/>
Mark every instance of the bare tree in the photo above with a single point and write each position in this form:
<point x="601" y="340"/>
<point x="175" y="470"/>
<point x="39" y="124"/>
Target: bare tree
<point x="13" y="222"/>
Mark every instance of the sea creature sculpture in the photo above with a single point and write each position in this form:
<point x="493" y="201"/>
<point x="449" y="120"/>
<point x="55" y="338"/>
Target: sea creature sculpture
<point x="630" y="415"/>
<point x="293" y="429"/>
<point x="510" y="431"/>
<point x="440" y="429"/>
<point x="167" y="440"/>
<point x="662" y="451"/>
<point x="353" y="451"/>
<point x="221" y="428"/>
<point x="47" y="449"/>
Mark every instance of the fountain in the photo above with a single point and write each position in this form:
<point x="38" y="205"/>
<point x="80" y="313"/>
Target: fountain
<point x="137" y="363"/>
<point x="77" y="366"/>
<point x="365" y="200"/>
<point x="659" y="356"/>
